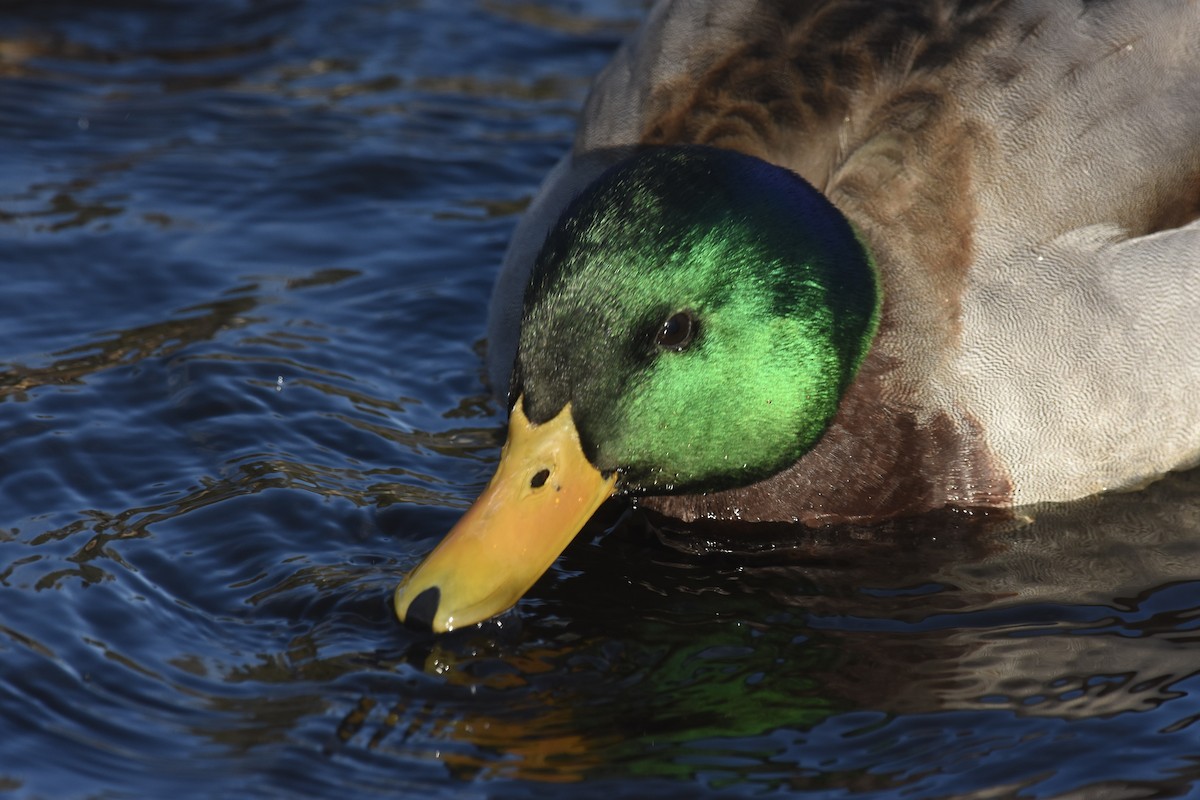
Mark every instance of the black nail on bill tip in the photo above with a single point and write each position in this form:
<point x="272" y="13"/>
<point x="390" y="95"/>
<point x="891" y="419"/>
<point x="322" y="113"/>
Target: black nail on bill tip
<point x="423" y="609"/>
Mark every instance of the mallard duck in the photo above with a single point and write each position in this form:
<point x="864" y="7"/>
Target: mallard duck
<point x="838" y="261"/>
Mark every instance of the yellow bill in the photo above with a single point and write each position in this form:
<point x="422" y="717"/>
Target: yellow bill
<point x="543" y="491"/>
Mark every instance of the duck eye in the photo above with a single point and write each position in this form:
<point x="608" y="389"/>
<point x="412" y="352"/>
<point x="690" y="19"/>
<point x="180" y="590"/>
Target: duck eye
<point x="677" y="332"/>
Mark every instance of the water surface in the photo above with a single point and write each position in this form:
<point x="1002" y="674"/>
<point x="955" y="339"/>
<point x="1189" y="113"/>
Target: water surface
<point x="247" y="247"/>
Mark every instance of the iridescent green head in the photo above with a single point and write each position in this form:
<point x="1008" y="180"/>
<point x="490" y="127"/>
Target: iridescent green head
<point x="702" y="311"/>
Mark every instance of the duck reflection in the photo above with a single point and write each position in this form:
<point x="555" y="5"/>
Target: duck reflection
<point x="653" y="642"/>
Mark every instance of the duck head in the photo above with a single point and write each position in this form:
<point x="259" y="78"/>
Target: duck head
<point x="690" y="325"/>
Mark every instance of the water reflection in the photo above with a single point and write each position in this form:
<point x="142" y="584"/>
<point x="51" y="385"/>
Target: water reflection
<point x="645" y="663"/>
<point x="125" y="347"/>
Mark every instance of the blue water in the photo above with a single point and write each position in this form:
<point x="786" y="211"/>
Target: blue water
<point x="247" y="248"/>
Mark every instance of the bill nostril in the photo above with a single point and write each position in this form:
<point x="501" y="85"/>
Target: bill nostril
<point x="423" y="609"/>
<point x="539" y="479"/>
